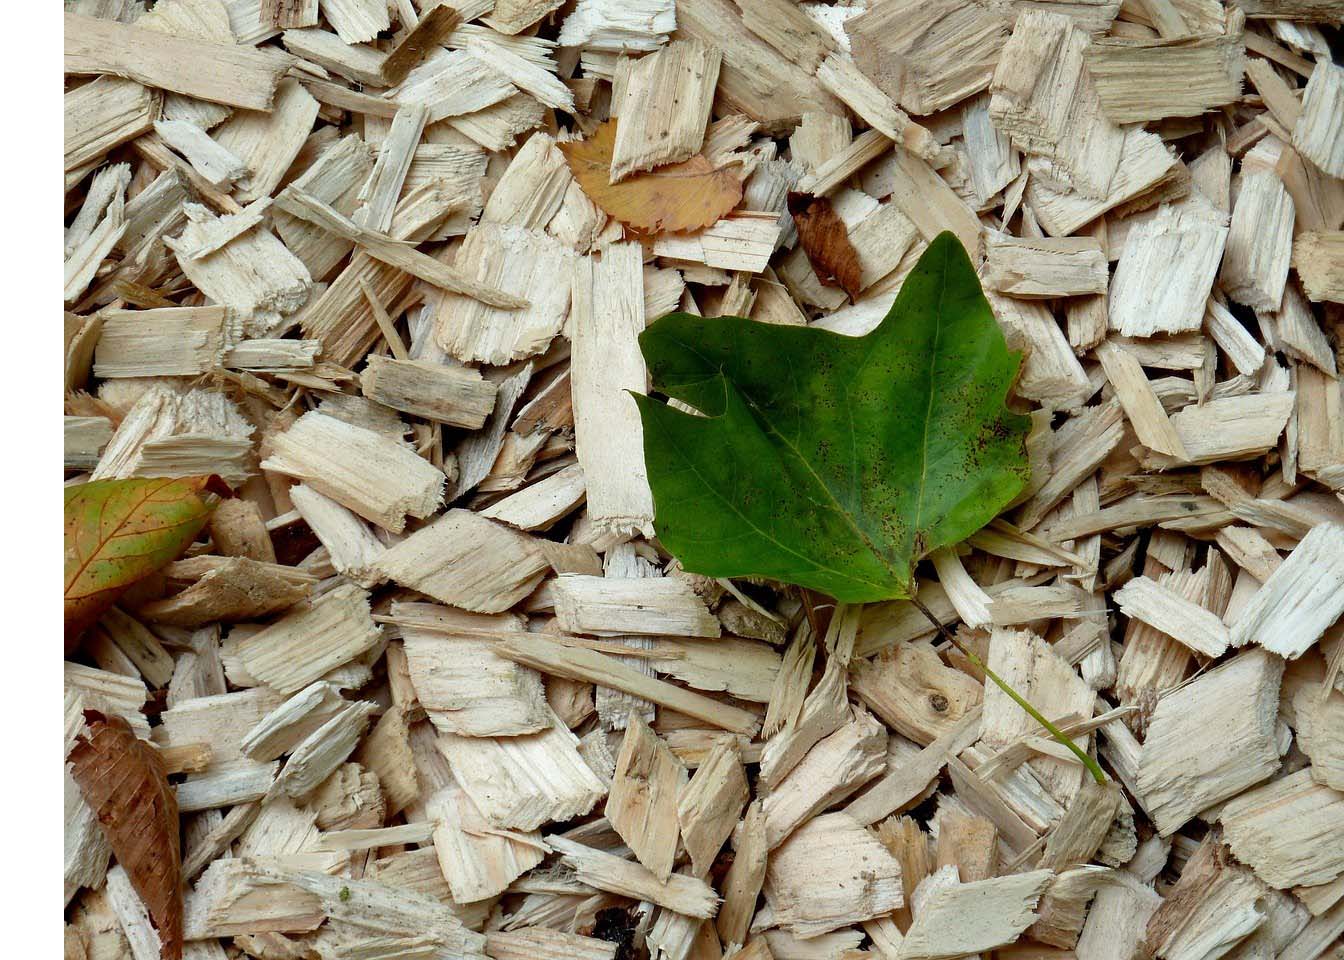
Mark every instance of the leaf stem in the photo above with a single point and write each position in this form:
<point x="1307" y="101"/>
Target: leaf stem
<point x="810" y="610"/>
<point x="1092" y="766"/>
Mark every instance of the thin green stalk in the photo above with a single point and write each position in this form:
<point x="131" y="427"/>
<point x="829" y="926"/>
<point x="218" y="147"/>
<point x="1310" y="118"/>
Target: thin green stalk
<point x="1092" y="766"/>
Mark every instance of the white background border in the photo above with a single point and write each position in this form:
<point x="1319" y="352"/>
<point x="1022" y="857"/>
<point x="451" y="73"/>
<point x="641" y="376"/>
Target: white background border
<point x="32" y="167"/>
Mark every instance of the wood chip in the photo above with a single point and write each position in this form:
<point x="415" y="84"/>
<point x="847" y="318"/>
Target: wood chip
<point x="1043" y="97"/>
<point x="677" y="82"/>
<point x="1259" y="243"/>
<point x="685" y="895"/>
<point x="314" y="638"/>
<point x="642" y="804"/>
<point x="1032" y="269"/>
<point x="914" y="692"/>
<point x="239" y="76"/>
<point x="862" y="879"/>
<point x="1166" y="271"/>
<point x="1142" y="406"/>
<point x="579" y="664"/>
<point x="1131" y="74"/>
<point x="1215" y="900"/>
<point x="477" y="861"/>
<point x="1231" y="428"/>
<point x="103" y="114"/>
<point x="607" y="316"/>
<point x="457" y="396"/>
<point x="959" y="918"/>
<point x="467" y="561"/>
<point x="1161" y="608"/>
<point x="1319" y="711"/>
<point x="927" y="57"/>
<point x="526" y="263"/>
<point x="710" y="804"/>
<point x="832" y="770"/>
<point x="789" y="30"/>
<point x="378" y="478"/>
<point x="1319" y="261"/>
<point x="432" y="29"/>
<point x="1318" y="134"/>
<point x="1287" y="831"/>
<point x="1302" y="597"/>
<point x="660" y="606"/>
<point x="1189" y="763"/>
<point x="523" y="782"/>
<point x="448" y="663"/>
<point x="756" y="80"/>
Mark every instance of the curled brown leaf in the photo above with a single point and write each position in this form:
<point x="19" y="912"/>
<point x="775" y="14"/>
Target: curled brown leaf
<point x="124" y="783"/>
<point x="825" y="240"/>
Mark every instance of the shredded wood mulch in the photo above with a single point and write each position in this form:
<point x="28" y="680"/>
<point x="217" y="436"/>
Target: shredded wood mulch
<point x="428" y="687"/>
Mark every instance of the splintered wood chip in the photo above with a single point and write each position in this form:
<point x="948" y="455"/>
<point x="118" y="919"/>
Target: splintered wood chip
<point x="678" y="197"/>
<point x="825" y="240"/>
<point x="124" y="783"/>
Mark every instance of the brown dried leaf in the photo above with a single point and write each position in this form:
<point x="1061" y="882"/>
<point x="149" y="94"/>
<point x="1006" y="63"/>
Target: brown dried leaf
<point x="670" y="199"/>
<point x="825" y="240"/>
<point x="123" y="781"/>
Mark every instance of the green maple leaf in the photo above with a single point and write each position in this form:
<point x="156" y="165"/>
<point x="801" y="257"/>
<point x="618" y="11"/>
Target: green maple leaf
<point x="828" y="461"/>
<point x="836" y="462"/>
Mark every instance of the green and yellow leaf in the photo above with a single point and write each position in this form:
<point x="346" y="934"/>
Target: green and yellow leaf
<point x="117" y="532"/>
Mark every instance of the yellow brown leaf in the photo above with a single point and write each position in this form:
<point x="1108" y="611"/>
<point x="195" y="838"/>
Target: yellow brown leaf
<point x="117" y="532"/>
<point x="124" y="783"/>
<point x="670" y="199"/>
